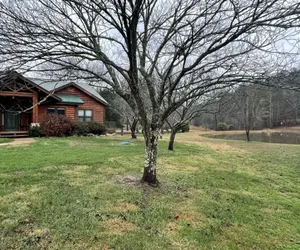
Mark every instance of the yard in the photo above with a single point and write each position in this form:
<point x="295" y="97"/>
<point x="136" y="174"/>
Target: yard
<point x="5" y="140"/>
<point x="83" y="193"/>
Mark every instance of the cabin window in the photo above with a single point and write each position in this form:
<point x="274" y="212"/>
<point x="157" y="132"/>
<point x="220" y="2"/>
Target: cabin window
<point x="58" y="111"/>
<point x="85" y="115"/>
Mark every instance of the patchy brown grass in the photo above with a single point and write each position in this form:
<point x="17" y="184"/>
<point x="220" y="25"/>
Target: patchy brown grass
<point x="196" y="137"/>
<point x="76" y="170"/>
<point x="19" y="142"/>
<point x="177" y="168"/>
<point x="80" y="144"/>
<point x="22" y="196"/>
<point x="208" y="199"/>
<point x="117" y="226"/>
<point x="125" y="207"/>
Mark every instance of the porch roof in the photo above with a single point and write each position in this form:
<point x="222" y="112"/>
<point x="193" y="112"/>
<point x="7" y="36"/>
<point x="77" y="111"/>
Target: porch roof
<point x="8" y="77"/>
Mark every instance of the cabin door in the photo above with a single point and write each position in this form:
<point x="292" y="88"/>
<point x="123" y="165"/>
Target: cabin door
<point x="12" y="120"/>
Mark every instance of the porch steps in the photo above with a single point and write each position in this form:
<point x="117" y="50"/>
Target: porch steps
<point x="13" y="134"/>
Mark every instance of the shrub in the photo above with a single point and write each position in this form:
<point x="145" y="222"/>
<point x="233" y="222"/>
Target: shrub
<point x="85" y="128"/>
<point x="222" y="127"/>
<point x="185" y="127"/>
<point x="96" y="128"/>
<point x="230" y="127"/>
<point x="80" y="128"/>
<point x="35" y="131"/>
<point x="56" y="125"/>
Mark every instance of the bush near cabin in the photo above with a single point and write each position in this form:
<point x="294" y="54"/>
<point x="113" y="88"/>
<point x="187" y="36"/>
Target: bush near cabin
<point x="35" y="131"/>
<point x="57" y="125"/>
<point x="85" y="128"/>
<point x="60" y="125"/>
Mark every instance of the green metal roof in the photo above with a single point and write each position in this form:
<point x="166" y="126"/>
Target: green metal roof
<point x="65" y="98"/>
<point x="51" y="85"/>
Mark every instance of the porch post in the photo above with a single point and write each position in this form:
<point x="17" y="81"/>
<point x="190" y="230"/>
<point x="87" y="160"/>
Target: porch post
<point x="35" y="109"/>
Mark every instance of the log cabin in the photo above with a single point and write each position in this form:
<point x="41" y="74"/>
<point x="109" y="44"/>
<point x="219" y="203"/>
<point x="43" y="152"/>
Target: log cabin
<point x="26" y="101"/>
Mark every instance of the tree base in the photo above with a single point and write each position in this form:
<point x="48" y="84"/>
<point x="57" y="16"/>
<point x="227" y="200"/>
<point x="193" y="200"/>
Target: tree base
<point x="150" y="180"/>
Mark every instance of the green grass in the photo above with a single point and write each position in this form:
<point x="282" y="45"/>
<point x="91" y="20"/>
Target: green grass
<point x="78" y="193"/>
<point x="5" y="140"/>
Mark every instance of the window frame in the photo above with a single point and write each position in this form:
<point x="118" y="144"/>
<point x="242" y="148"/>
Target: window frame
<point x="84" y="117"/>
<point x="55" y="111"/>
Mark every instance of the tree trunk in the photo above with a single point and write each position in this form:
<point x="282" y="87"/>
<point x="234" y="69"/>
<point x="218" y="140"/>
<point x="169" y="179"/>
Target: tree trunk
<point x="271" y="111"/>
<point x="161" y="133"/>
<point x="149" y="175"/>
<point x="172" y="139"/>
<point x="133" y="134"/>
<point x="216" y="122"/>
<point x="133" y="129"/>
<point x="248" y="134"/>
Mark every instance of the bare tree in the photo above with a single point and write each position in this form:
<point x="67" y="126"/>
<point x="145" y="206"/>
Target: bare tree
<point x="193" y="45"/>
<point x="248" y="100"/>
<point x="188" y="111"/>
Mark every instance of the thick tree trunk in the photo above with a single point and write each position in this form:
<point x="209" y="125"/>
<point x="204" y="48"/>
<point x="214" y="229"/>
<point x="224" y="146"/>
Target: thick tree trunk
<point x="149" y="175"/>
<point x="172" y="139"/>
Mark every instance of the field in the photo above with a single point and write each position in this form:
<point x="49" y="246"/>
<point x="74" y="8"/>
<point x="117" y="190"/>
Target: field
<point x="84" y="193"/>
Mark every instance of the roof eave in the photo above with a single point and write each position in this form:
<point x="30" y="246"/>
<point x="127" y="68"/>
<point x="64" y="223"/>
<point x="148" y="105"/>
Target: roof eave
<point x="71" y="103"/>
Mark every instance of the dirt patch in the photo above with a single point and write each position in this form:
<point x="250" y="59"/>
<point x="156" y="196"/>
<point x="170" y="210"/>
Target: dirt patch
<point x="19" y="142"/>
<point x="189" y="217"/>
<point x="185" y="218"/>
<point x="172" y="226"/>
<point x="117" y="226"/>
<point x="36" y="237"/>
<point x="130" y="180"/>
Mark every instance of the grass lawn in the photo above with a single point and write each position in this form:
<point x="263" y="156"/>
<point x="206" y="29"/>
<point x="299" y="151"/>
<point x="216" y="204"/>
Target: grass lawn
<point x="5" y="140"/>
<point x="82" y="193"/>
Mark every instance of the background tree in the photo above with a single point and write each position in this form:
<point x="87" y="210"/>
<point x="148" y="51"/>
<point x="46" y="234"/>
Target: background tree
<point x="120" y="112"/>
<point x="112" y="112"/>
<point x="130" y="44"/>
<point x="191" y="109"/>
<point x="248" y="101"/>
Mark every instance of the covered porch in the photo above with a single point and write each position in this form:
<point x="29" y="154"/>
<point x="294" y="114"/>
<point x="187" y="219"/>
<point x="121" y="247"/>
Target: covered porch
<point x="17" y="111"/>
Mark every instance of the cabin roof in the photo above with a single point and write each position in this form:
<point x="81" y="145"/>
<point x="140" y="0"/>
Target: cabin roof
<point x="57" y="85"/>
